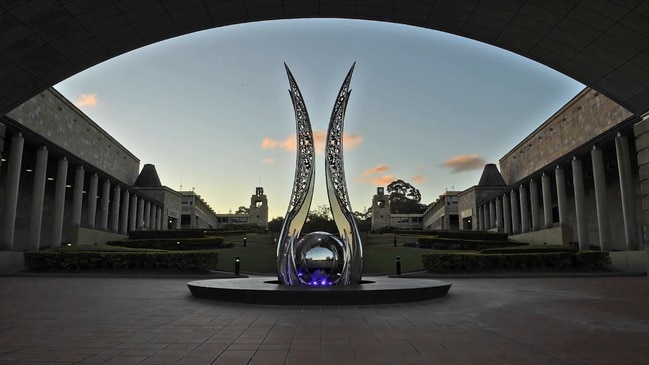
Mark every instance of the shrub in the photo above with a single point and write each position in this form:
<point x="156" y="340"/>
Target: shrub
<point x="421" y="232"/>
<point x="169" y="234"/>
<point x="471" y="262"/>
<point x="592" y="260"/>
<point x="438" y="243"/>
<point x="85" y="260"/>
<point x="179" y="244"/>
<point x="473" y="235"/>
<point x="528" y="249"/>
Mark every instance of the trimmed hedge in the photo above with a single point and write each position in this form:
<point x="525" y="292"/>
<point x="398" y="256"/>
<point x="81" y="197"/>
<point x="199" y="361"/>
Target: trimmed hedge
<point x="556" y="261"/>
<point x="438" y="243"/>
<point x="420" y="232"/>
<point x="179" y="244"/>
<point x="66" y="261"/>
<point x="226" y="233"/>
<point x="473" y="235"/>
<point x="167" y="234"/>
<point x="528" y="249"/>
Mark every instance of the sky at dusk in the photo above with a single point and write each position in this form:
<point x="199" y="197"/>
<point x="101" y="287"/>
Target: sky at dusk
<point x="212" y="112"/>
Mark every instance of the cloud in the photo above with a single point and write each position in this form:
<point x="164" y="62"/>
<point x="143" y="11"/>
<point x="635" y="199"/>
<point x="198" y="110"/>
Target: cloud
<point x="268" y="161"/>
<point x="418" y="178"/>
<point x="464" y="162"/>
<point x="350" y="142"/>
<point x="376" y="170"/>
<point x="288" y="144"/>
<point x="377" y="180"/>
<point x="86" y="100"/>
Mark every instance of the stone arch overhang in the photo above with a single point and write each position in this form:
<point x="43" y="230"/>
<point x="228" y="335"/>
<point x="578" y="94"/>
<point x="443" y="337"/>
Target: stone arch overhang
<point x="602" y="44"/>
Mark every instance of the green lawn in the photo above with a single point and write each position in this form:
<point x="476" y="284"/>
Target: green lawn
<point x="376" y="260"/>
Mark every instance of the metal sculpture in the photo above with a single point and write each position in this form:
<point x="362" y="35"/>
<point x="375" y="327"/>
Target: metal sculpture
<point x="319" y="258"/>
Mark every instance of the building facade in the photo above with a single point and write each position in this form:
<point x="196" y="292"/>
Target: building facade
<point x="442" y="213"/>
<point x="575" y="179"/>
<point x="63" y="179"/>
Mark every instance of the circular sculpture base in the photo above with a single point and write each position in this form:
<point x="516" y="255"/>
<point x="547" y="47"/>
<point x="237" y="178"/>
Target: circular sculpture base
<point x="267" y="290"/>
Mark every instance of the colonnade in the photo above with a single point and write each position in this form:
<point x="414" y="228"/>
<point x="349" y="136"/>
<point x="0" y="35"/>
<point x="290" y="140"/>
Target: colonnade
<point x="124" y="209"/>
<point x="519" y="210"/>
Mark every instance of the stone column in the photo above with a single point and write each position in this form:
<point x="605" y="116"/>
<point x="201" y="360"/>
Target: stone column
<point x="480" y="218"/>
<point x="161" y="218"/>
<point x="626" y="190"/>
<point x="11" y="191"/>
<point x="192" y="218"/>
<point x="77" y="196"/>
<point x="132" y="216"/>
<point x="499" y="214"/>
<point x="164" y="219"/>
<point x="492" y="214"/>
<point x="562" y="200"/>
<point x="92" y="200"/>
<point x="147" y="215"/>
<point x="154" y="217"/>
<point x="114" y="215"/>
<point x="547" y="200"/>
<point x="507" y="214"/>
<point x="105" y="201"/>
<point x="516" y="212"/>
<point x="534" y="204"/>
<point x="580" y="203"/>
<point x="140" y="213"/>
<point x="40" y="171"/>
<point x="599" y="179"/>
<point x="123" y="224"/>
<point x="59" y="202"/>
<point x="525" y="209"/>
<point x="487" y="216"/>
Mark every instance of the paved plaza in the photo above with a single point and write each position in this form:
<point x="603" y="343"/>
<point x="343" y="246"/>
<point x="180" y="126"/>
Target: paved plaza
<point x="119" y="320"/>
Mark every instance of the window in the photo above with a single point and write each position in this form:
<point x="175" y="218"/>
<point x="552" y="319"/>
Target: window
<point x="259" y="204"/>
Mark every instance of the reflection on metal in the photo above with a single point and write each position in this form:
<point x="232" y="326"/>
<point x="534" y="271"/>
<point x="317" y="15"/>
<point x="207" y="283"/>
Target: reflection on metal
<point x="302" y="194"/>
<point x="319" y="258"/>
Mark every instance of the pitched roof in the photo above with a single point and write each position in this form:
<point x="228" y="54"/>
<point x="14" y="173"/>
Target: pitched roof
<point x="491" y="176"/>
<point x="148" y="177"/>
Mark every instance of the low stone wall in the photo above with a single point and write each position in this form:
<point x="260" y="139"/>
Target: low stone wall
<point x="630" y="261"/>
<point x="11" y="261"/>
<point x="550" y="236"/>
<point x="86" y="236"/>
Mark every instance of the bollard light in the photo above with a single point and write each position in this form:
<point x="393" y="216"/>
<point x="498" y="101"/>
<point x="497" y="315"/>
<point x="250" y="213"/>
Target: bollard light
<point x="237" y="265"/>
<point x="398" y="265"/>
<point x="244" y="242"/>
<point x="395" y="241"/>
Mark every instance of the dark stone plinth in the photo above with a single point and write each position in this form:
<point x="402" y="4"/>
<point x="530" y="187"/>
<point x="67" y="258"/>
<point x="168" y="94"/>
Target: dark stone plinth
<point x="266" y="290"/>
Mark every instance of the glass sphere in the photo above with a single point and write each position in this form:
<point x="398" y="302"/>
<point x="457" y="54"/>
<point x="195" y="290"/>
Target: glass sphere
<point x="319" y="259"/>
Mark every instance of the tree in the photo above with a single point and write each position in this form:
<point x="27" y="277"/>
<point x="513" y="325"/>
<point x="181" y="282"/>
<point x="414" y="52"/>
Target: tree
<point x="404" y="198"/>
<point x="275" y="224"/>
<point x="242" y="210"/>
<point x="319" y="220"/>
<point x="364" y="220"/>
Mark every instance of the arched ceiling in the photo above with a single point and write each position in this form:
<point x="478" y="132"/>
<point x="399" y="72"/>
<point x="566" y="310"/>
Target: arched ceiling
<point x="602" y="44"/>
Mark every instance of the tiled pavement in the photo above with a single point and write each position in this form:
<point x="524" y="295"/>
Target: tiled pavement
<point x="86" y="320"/>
